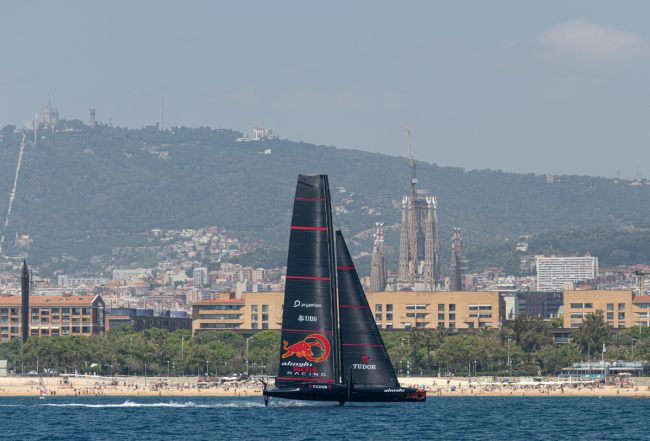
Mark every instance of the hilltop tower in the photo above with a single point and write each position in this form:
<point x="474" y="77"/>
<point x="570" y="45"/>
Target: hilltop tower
<point x="92" y="117"/>
<point x="48" y="116"/>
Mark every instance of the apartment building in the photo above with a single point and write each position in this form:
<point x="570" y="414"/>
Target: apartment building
<point x="553" y="272"/>
<point x="141" y="319"/>
<point x="455" y="310"/>
<point x="257" y="311"/>
<point x="621" y="308"/>
<point x="462" y="310"/>
<point x="55" y="316"/>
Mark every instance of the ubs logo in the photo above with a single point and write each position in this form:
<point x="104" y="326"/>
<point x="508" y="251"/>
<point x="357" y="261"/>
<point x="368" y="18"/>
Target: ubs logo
<point x="307" y="318"/>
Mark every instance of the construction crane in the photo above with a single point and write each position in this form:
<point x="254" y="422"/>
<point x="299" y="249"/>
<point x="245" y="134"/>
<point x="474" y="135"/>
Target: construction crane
<point x="412" y="206"/>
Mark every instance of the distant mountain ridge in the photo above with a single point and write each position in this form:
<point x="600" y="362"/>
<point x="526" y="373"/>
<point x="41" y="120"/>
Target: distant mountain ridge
<point x="86" y="191"/>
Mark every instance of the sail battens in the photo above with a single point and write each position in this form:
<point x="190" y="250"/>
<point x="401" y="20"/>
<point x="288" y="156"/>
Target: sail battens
<point x="308" y="278"/>
<point x="306" y="330"/>
<point x="355" y="344"/>
<point x="309" y="228"/>
<point x="353" y="306"/>
<point x="303" y="379"/>
<point x="345" y="267"/>
<point x="308" y="199"/>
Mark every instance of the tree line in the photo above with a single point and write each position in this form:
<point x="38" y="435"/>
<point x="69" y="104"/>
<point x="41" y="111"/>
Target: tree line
<point x="523" y="347"/>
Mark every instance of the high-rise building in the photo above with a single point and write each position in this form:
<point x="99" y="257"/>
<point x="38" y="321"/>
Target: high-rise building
<point x="92" y="117"/>
<point x="553" y="272"/>
<point x="378" y="272"/>
<point x="49" y="115"/>
<point x="426" y="223"/>
<point x="200" y="276"/>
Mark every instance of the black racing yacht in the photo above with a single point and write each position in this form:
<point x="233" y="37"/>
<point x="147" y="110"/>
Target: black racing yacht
<point x="331" y="348"/>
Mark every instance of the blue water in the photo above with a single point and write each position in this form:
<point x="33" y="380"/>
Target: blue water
<point x="202" y="418"/>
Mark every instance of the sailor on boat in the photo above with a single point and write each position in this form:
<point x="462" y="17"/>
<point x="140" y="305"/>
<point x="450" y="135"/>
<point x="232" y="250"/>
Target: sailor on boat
<point x="331" y="348"/>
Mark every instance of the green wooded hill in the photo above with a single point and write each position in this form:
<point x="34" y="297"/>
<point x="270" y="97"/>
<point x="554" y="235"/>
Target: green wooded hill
<point x="87" y="191"/>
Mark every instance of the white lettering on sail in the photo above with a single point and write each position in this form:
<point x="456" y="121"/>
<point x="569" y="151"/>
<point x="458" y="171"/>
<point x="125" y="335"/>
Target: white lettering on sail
<point x="300" y="364"/>
<point x="307" y="318"/>
<point x="297" y="304"/>
<point x="364" y="366"/>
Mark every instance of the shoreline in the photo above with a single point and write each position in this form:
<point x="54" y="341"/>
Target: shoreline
<point x="434" y="386"/>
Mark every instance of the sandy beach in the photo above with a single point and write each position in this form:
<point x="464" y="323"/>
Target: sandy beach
<point x="434" y="386"/>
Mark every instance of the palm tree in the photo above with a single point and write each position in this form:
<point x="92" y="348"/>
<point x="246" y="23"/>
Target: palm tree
<point x="485" y="331"/>
<point x="441" y="332"/>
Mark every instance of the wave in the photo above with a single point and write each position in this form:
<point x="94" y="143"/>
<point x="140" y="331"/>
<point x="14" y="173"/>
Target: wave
<point x="127" y="403"/>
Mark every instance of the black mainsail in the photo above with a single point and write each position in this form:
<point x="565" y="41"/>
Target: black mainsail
<point x="309" y="333"/>
<point x="363" y="355"/>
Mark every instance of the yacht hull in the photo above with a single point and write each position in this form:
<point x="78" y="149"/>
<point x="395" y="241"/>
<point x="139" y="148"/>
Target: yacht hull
<point x="339" y="393"/>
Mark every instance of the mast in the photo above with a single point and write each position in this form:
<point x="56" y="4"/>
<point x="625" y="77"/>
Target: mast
<point x="335" y="303"/>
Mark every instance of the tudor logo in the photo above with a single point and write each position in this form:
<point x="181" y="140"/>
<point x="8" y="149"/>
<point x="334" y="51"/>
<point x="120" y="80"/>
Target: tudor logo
<point x="364" y="358"/>
<point x="364" y="366"/>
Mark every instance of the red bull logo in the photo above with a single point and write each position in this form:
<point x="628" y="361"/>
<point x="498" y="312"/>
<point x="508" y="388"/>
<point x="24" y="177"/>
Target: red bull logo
<point x="417" y="395"/>
<point x="304" y="348"/>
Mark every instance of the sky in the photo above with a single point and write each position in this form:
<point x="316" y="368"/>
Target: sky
<point x="529" y="87"/>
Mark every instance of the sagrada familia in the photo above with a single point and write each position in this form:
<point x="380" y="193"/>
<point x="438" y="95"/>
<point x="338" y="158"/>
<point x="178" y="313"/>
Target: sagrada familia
<point x="419" y="262"/>
<point x="378" y="270"/>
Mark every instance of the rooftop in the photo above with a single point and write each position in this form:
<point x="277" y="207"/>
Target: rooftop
<point x="35" y="301"/>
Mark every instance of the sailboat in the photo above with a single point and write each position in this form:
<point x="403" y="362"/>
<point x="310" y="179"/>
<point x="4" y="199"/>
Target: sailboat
<point x="42" y="388"/>
<point x="331" y="348"/>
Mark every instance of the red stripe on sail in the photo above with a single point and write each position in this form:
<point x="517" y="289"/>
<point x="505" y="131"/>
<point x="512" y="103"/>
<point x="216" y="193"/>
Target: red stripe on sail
<point x="353" y="306"/>
<point x="309" y="228"/>
<point x="309" y="278"/>
<point x="303" y="330"/>
<point x="352" y="344"/>
<point x="303" y="379"/>
<point x="344" y="267"/>
<point x="309" y="199"/>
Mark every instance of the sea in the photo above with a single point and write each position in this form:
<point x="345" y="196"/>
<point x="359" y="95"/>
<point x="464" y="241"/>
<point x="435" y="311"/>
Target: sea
<point x="441" y="418"/>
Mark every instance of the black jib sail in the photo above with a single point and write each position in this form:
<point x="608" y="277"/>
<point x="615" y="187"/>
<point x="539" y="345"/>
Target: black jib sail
<point x="309" y="345"/>
<point x="363" y="354"/>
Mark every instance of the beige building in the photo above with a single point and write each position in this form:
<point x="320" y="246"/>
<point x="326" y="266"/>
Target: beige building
<point x="621" y="308"/>
<point x="392" y="310"/>
<point x="453" y="310"/>
<point x="257" y="310"/>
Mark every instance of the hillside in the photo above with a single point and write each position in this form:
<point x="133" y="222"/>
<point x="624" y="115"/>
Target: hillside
<point x="87" y="191"/>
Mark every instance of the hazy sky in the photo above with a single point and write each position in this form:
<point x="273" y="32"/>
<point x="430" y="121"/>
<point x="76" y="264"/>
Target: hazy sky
<point x="545" y="87"/>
